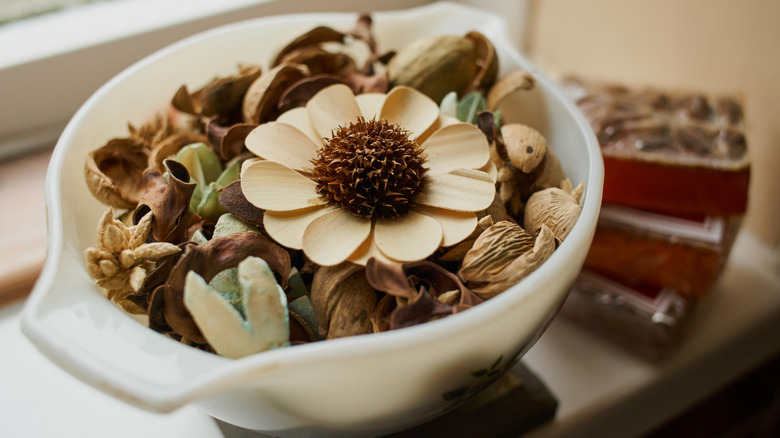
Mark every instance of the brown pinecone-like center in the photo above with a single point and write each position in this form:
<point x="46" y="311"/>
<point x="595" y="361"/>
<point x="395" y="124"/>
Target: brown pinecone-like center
<point x="371" y="168"/>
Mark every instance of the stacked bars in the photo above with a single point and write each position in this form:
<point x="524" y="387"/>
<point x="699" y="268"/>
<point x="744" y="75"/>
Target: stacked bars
<point x="675" y="189"/>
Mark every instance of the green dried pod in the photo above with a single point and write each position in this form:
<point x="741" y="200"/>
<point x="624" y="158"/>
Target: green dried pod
<point x="201" y="161"/>
<point x="436" y="65"/>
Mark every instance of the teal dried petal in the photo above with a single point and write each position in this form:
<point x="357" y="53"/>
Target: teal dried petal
<point x="470" y="106"/>
<point x="208" y="206"/>
<point x="231" y="173"/>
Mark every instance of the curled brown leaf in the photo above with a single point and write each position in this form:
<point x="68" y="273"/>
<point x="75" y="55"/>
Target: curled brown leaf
<point x="169" y="202"/>
<point x="343" y="300"/>
<point x="420" y="284"/>
<point x="232" y="198"/>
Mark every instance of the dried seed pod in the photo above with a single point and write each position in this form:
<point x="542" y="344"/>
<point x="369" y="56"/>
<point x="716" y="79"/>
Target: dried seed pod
<point x="525" y="146"/>
<point x="114" y="172"/>
<point x="261" y="98"/>
<point x="503" y="255"/>
<point x="548" y="174"/>
<point x="509" y="84"/>
<point x="435" y="65"/>
<point x="557" y="208"/>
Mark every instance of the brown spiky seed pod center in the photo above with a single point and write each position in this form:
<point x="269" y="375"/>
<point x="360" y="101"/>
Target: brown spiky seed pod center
<point x="371" y="168"/>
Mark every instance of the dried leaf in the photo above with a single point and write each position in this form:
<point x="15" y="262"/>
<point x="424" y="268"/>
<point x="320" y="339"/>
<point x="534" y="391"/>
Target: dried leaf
<point x="300" y="92"/>
<point x="469" y="107"/>
<point x="314" y="37"/>
<point x="232" y="198"/>
<point x="168" y="201"/>
<point x="232" y="143"/>
<point x="169" y="146"/>
<point x="220" y="97"/>
<point x="320" y="61"/>
<point x="262" y="98"/>
<point x="420" y="283"/>
<point x="343" y="300"/>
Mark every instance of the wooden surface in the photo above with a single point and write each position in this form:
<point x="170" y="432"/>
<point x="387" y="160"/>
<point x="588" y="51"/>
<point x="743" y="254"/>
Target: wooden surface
<point x="22" y="224"/>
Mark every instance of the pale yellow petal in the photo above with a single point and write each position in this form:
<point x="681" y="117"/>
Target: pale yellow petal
<point x="367" y="250"/>
<point x="282" y="143"/>
<point x="455" y="225"/>
<point x="332" y="107"/>
<point x="457" y="146"/>
<point x="408" y="238"/>
<point x="459" y="190"/>
<point x="411" y="109"/>
<point x="248" y="163"/>
<point x="273" y="186"/>
<point x="334" y="236"/>
<point x="491" y="169"/>
<point x="287" y="227"/>
<point x="370" y="104"/>
<point x="299" y="118"/>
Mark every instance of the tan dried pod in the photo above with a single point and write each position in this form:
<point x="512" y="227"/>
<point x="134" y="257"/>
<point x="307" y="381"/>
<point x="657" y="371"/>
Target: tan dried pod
<point x="263" y="95"/>
<point x="548" y="174"/>
<point x="114" y="172"/>
<point x="435" y="65"/>
<point x="507" y="85"/>
<point x="525" y="146"/>
<point x="486" y="59"/>
<point x="556" y="208"/>
<point x="343" y="301"/>
<point x="503" y="255"/>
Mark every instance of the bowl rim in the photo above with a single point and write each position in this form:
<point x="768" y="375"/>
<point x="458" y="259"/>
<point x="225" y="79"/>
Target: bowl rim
<point x="231" y="372"/>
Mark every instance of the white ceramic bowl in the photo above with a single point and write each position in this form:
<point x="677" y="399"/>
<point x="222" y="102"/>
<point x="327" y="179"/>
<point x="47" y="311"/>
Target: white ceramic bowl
<point x="361" y="385"/>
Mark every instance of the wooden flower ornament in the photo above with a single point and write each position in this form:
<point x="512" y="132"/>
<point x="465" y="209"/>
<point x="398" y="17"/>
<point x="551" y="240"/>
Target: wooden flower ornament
<point x="352" y="177"/>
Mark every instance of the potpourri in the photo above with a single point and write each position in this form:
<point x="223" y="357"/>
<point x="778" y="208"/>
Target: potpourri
<point x="344" y="191"/>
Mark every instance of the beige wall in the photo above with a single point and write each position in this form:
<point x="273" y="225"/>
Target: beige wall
<point x="720" y="46"/>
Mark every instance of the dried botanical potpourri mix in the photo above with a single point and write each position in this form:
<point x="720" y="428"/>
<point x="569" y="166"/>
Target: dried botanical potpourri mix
<point x="328" y="196"/>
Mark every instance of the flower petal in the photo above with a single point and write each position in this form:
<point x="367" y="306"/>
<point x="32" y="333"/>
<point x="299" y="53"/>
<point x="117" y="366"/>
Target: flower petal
<point x="287" y="227"/>
<point x="411" y="109"/>
<point x="282" y="143"/>
<point x="459" y="190"/>
<point x="367" y="250"/>
<point x="491" y="169"/>
<point x="334" y="236"/>
<point x="408" y="238"/>
<point x="370" y="104"/>
<point x="458" y="146"/>
<point x="332" y="107"/>
<point x="273" y="186"/>
<point x="299" y="118"/>
<point x="455" y="225"/>
<point x="247" y="164"/>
